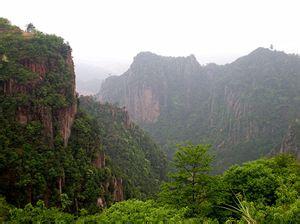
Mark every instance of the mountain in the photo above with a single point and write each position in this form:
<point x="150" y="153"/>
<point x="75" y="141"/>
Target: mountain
<point x="70" y="152"/>
<point x="243" y="109"/>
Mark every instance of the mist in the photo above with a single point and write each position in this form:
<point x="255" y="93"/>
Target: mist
<point x="115" y="31"/>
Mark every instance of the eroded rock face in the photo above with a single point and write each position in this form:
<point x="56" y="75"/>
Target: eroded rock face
<point x="144" y="106"/>
<point x="114" y="187"/>
<point x="243" y="108"/>
<point x="99" y="161"/>
<point x="65" y="119"/>
<point x="291" y="141"/>
<point x="143" y="89"/>
<point x="45" y="114"/>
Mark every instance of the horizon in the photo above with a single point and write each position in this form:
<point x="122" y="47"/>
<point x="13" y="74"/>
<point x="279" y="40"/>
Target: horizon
<point x="214" y="31"/>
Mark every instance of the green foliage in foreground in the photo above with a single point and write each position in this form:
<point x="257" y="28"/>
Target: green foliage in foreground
<point x="189" y="183"/>
<point x="39" y="214"/>
<point x="270" y="187"/>
<point x="135" y="211"/>
<point x="131" y="211"/>
<point x="262" y="191"/>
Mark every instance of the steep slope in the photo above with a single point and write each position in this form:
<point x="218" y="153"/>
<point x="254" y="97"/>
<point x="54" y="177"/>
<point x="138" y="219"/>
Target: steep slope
<point x="291" y="141"/>
<point x="243" y="108"/>
<point x="150" y="84"/>
<point x="52" y="149"/>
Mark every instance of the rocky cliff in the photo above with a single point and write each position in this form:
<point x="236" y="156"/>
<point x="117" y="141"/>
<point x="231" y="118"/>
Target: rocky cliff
<point x="63" y="116"/>
<point x="243" y="108"/>
<point x="52" y="147"/>
<point x="291" y="141"/>
<point x="25" y="72"/>
<point x="144" y="89"/>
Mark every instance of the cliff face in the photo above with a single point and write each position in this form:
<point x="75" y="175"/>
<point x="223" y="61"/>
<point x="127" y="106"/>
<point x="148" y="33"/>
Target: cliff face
<point x="38" y="108"/>
<point x="242" y="108"/>
<point x="145" y="88"/>
<point x="26" y="72"/>
<point x="46" y="114"/>
<point x="56" y="149"/>
<point x="291" y="141"/>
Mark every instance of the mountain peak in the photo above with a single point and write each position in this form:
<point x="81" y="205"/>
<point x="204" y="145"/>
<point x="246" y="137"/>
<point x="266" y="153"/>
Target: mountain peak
<point x="262" y="56"/>
<point x="147" y="56"/>
<point x="261" y="50"/>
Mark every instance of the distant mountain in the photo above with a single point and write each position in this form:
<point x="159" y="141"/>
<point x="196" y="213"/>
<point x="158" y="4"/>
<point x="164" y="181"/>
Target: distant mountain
<point x="244" y="109"/>
<point x="89" y="78"/>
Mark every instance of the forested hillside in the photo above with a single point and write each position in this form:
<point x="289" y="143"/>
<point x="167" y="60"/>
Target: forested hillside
<point x="71" y="153"/>
<point x="244" y="109"/>
<point x="69" y="159"/>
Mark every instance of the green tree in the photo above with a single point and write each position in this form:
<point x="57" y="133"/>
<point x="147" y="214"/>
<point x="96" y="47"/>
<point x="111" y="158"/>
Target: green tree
<point x="270" y="187"/>
<point x="189" y="182"/>
<point x="4" y="210"/>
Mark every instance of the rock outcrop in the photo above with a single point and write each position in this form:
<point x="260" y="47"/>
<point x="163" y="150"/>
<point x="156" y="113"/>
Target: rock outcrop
<point x="243" y="109"/>
<point x="144" y="87"/>
<point x="47" y="115"/>
<point x="291" y="141"/>
<point x="38" y="109"/>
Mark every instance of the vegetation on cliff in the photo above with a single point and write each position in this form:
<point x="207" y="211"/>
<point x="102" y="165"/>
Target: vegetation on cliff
<point x="133" y="156"/>
<point x="71" y="156"/>
<point x="243" y="109"/>
<point x="65" y="159"/>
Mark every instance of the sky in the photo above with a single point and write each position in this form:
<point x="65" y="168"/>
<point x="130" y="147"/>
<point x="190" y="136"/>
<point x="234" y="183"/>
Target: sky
<point x="112" y="32"/>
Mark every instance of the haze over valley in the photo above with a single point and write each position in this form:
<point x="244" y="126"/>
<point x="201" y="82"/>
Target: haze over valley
<point x="149" y="112"/>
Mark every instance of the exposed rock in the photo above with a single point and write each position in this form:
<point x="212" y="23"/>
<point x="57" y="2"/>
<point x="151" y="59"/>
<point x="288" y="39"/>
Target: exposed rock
<point x="99" y="162"/>
<point x="35" y="67"/>
<point x="144" y="87"/>
<point x="291" y="141"/>
<point x="24" y="114"/>
<point x="117" y="185"/>
<point x="65" y="119"/>
<point x="144" y="106"/>
<point x="243" y="108"/>
<point x="101" y="203"/>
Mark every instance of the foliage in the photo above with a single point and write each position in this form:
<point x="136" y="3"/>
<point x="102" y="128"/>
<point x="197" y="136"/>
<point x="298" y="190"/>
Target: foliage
<point x="4" y="210"/>
<point x="133" y="155"/>
<point x="234" y="208"/>
<point x="135" y="211"/>
<point x="189" y="182"/>
<point x="242" y="209"/>
<point x="39" y="214"/>
<point x="59" y="181"/>
<point x="262" y="191"/>
<point x="36" y="95"/>
<point x="270" y="187"/>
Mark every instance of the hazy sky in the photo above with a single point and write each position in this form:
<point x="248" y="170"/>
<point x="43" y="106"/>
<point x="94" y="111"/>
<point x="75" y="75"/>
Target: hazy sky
<point x="116" y="30"/>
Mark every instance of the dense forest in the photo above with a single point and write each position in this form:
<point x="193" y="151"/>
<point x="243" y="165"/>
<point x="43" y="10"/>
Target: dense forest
<point x="244" y="109"/>
<point x="71" y="159"/>
<point x="70" y="152"/>
<point x="263" y="191"/>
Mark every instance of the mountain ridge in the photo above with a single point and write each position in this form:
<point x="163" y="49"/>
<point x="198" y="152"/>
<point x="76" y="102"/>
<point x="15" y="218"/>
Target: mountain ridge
<point x="229" y="106"/>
